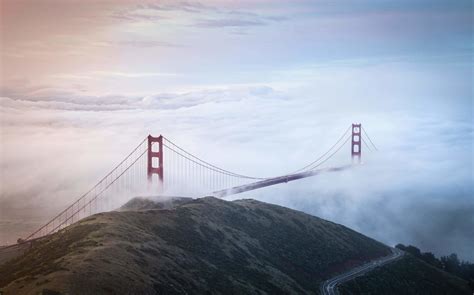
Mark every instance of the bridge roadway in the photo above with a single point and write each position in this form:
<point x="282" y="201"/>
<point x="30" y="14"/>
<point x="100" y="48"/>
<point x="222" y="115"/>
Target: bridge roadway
<point x="276" y="180"/>
<point x="329" y="287"/>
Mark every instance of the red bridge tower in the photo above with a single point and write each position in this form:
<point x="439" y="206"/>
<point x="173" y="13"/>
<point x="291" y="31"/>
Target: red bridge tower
<point x="155" y="154"/>
<point x="356" y="147"/>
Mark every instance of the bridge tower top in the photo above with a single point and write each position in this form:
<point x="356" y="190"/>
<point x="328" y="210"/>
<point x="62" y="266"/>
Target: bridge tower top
<point x="356" y="146"/>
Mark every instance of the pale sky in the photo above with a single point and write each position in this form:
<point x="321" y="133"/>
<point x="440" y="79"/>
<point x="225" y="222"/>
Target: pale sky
<point x="98" y="48"/>
<point x="82" y="82"/>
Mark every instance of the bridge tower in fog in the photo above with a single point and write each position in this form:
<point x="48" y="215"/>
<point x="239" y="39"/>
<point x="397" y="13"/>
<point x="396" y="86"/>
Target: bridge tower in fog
<point x="356" y="147"/>
<point x="155" y="159"/>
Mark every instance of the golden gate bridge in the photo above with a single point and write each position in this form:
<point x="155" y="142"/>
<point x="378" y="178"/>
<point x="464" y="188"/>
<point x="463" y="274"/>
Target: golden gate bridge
<point x="158" y="165"/>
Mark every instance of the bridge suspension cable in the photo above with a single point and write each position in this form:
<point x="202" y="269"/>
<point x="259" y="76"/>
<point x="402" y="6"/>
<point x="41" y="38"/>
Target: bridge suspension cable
<point x="366" y="145"/>
<point x="188" y="175"/>
<point x="209" y="165"/>
<point x="178" y="151"/>
<point x="119" y="177"/>
<point x="330" y="156"/>
<point x="368" y="137"/>
<point x="206" y="166"/>
<point x="323" y="155"/>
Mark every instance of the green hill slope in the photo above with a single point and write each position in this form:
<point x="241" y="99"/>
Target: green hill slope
<point x="205" y="244"/>
<point x="190" y="246"/>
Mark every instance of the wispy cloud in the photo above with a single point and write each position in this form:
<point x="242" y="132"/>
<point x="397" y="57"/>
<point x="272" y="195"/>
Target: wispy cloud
<point x="201" y="15"/>
<point x="131" y="74"/>
<point x="134" y="16"/>
<point x="222" y="23"/>
<point x="48" y="98"/>
<point x="147" y="43"/>
<point x="187" y="6"/>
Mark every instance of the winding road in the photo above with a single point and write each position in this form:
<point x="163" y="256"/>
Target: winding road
<point x="329" y="287"/>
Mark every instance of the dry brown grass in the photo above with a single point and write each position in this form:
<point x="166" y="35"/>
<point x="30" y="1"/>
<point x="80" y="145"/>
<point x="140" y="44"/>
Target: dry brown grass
<point x="194" y="246"/>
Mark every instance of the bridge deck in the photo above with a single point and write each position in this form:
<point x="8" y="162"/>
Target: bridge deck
<point x="275" y="180"/>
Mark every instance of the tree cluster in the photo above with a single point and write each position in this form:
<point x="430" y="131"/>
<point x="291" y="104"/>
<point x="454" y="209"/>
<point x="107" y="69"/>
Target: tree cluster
<point x="450" y="263"/>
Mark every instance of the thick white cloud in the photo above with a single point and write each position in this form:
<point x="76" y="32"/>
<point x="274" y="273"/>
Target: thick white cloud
<point x="411" y="191"/>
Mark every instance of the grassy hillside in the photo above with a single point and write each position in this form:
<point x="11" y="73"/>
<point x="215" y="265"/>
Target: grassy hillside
<point x="183" y="246"/>
<point x="408" y="275"/>
<point x="196" y="246"/>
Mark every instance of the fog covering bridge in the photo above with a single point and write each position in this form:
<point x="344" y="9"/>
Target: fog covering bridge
<point x="159" y="166"/>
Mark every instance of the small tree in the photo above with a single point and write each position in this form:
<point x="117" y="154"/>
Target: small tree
<point x="429" y="257"/>
<point x="413" y="250"/>
<point x="451" y="263"/>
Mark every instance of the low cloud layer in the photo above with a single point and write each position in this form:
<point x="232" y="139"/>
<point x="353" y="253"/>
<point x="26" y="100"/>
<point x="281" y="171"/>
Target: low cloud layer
<point x="255" y="88"/>
<point x="416" y="190"/>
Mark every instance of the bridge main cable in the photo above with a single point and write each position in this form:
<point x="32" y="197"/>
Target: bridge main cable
<point x="286" y="178"/>
<point x="83" y="196"/>
<point x="330" y="156"/>
<point x="323" y="155"/>
<point x="368" y="137"/>
<point x="309" y="167"/>
<point x="207" y="164"/>
<point x="100" y="193"/>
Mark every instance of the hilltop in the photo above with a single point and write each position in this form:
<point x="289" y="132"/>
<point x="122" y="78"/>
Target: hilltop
<point x="191" y="246"/>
